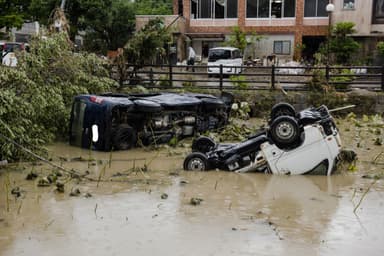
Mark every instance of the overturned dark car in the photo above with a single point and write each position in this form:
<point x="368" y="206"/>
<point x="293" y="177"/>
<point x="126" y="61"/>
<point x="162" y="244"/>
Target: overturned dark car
<point x="126" y="120"/>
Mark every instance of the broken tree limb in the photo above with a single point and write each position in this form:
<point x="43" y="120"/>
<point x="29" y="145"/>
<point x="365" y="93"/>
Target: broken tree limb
<point x="71" y="172"/>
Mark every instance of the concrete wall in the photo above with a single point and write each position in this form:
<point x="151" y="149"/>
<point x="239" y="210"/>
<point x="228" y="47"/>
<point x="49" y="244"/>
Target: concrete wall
<point x="361" y="15"/>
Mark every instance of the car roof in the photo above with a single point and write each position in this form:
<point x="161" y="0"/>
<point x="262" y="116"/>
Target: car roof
<point x="225" y="48"/>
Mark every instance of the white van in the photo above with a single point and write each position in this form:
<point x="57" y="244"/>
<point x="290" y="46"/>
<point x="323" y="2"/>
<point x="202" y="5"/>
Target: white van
<point x="229" y="57"/>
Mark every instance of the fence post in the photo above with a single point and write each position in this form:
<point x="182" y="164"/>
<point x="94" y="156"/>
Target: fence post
<point x="151" y="77"/>
<point x="273" y="77"/>
<point x="327" y="73"/>
<point x="221" y="77"/>
<point x="382" y="78"/>
<point x="170" y="75"/>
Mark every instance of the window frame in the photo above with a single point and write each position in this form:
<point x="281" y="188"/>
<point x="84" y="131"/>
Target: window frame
<point x="349" y="8"/>
<point x="212" y="15"/>
<point x="316" y="10"/>
<point x="275" y="42"/>
<point x="269" y="10"/>
<point x="377" y="18"/>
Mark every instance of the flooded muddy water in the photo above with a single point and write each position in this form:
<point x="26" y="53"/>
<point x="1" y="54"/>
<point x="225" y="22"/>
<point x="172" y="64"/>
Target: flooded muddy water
<point x="148" y="211"/>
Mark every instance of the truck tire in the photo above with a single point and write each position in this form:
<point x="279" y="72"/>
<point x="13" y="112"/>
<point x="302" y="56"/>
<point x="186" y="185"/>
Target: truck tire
<point x="282" y="109"/>
<point x="285" y="132"/>
<point x="203" y="144"/>
<point x="196" y="161"/>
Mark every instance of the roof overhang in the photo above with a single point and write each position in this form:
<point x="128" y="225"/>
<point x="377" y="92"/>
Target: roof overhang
<point x="206" y="36"/>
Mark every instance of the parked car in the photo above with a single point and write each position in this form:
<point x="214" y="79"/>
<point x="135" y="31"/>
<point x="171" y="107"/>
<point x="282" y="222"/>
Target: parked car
<point x="294" y="143"/>
<point x="229" y="57"/>
<point x="7" y="52"/>
<point x="124" y="121"/>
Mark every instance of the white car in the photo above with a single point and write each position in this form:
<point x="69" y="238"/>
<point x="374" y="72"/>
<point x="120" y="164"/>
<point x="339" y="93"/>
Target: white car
<point x="229" y="57"/>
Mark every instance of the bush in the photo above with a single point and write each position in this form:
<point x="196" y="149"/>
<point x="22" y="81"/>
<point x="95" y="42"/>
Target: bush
<point x="239" y="81"/>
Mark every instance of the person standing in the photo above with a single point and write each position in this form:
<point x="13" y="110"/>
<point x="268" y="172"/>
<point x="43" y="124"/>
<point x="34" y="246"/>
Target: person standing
<point x="191" y="58"/>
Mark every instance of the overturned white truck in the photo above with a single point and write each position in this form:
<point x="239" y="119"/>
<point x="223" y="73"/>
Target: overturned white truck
<point x="306" y="142"/>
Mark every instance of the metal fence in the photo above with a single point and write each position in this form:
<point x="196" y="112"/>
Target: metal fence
<point x="254" y="77"/>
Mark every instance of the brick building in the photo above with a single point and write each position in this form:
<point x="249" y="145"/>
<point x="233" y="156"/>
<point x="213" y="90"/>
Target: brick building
<point x="286" y="25"/>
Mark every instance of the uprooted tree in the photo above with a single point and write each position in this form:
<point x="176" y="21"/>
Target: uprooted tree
<point x="36" y="96"/>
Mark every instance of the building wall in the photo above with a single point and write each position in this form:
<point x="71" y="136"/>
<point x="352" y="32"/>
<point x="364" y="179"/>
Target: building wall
<point x="295" y="27"/>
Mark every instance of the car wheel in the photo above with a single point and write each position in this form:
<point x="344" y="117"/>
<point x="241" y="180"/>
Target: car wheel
<point x="282" y="109"/>
<point x="203" y="144"/>
<point x="196" y="161"/>
<point x="285" y="131"/>
<point x="124" y="137"/>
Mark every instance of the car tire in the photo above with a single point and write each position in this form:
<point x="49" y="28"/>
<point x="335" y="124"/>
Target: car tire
<point x="282" y="109"/>
<point x="124" y="137"/>
<point x="196" y="161"/>
<point x="203" y="144"/>
<point x="284" y="131"/>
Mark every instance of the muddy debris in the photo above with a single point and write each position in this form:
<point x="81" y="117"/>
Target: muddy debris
<point x="60" y="187"/>
<point x="75" y="192"/>
<point x="31" y="175"/>
<point x="378" y="176"/>
<point x="43" y="182"/>
<point x="195" y="201"/>
<point x="88" y="195"/>
<point x="16" y="191"/>
<point x="378" y="141"/>
<point x="164" y="196"/>
<point x="184" y="182"/>
<point x="348" y="155"/>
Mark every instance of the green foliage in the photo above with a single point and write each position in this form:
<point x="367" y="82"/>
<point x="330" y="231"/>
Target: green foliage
<point x="237" y="39"/>
<point x="340" y="82"/>
<point x="153" y="7"/>
<point x="239" y="81"/>
<point x="147" y="43"/>
<point x="35" y="97"/>
<point x="109" y="24"/>
<point x="380" y="47"/>
<point x="342" y="45"/>
<point x="12" y="13"/>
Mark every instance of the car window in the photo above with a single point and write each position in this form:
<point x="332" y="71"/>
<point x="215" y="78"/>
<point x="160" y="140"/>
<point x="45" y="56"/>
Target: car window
<point x="12" y="47"/>
<point x="219" y="54"/>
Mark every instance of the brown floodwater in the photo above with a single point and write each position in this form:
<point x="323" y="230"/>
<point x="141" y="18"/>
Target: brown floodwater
<point x="148" y="211"/>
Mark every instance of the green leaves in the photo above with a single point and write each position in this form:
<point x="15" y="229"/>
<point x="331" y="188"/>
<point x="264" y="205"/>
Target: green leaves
<point x="36" y="96"/>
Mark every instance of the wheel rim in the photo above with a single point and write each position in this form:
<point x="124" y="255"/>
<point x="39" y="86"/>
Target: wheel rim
<point x="196" y="164"/>
<point x="285" y="131"/>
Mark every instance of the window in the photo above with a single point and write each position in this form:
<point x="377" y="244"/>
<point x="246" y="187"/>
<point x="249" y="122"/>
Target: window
<point x="282" y="47"/>
<point x="271" y="8"/>
<point x="348" y="4"/>
<point x="213" y="9"/>
<point x="315" y="8"/>
<point x="378" y="12"/>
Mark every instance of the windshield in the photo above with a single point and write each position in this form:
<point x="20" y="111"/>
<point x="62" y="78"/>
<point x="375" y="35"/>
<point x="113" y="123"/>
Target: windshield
<point x="218" y="54"/>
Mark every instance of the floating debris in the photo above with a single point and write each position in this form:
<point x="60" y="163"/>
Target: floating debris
<point x="16" y="191"/>
<point x="88" y="195"/>
<point x="44" y="182"/>
<point x="195" y="201"/>
<point x="31" y="176"/>
<point x="348" y="155"/>
<point x="60" y="187"/>
<point x="164" y="196"/>
<point x="184" y="182"/>
<point x="75" y="192"/>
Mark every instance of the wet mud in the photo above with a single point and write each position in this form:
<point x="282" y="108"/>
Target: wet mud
<point x="142" y="203"/>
